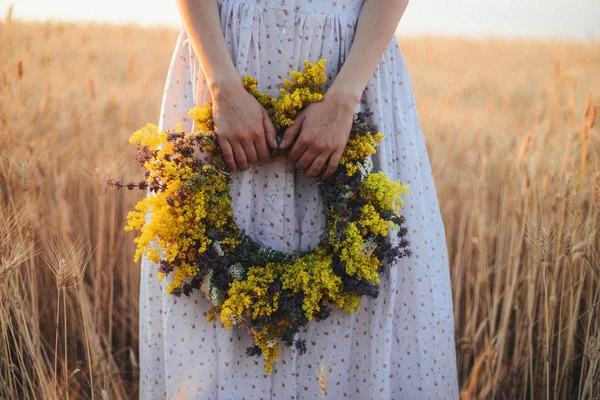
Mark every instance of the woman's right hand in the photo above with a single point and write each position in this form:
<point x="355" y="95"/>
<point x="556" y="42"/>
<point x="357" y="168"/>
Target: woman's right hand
<point x="242" y="125"/>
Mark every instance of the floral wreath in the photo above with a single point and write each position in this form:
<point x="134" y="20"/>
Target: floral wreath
<point x="192" y="234"/>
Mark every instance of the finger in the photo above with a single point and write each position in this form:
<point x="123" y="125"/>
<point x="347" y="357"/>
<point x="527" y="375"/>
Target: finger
<point x="270" y="133"/>
<point x="306" y="160"/>
<point x="240" y="156"/>
<point x="262" y="149"/>
<point x="332" y="165"/>
<point x="227" y="153"/>
<point x="297" y="151"/>
<point x="317" y="165"/>
<point x="291" y="132"/>
<point x="250" y="151"/>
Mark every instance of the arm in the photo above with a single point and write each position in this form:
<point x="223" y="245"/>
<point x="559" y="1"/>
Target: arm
<point x="377" y="23"/>
<point x="202" y="24"/>
<point x="323" y="127"/>
<point x="240" y="120"/>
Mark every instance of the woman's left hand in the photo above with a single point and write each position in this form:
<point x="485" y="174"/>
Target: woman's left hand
<point x="322" y="130"/>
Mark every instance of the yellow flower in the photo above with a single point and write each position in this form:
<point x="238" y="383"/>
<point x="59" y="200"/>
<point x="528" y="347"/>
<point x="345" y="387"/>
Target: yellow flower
<point x="387" y="195"/>
<point x="202" y="116"/>
<point x="371" y="221"/>
<point x="358" y="264"/>
<point x="248" y="297"/>
<point x="312" y="275"/>
<point x="149" y="136"/>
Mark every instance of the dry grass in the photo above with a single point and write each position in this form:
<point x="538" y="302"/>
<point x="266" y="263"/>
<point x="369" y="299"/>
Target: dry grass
<point x="511" y="135"/>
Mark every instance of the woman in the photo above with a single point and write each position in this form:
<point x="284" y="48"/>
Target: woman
<point x="399" y="345"/>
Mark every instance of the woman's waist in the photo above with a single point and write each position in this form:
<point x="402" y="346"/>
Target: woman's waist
<point x="313" y="7"/>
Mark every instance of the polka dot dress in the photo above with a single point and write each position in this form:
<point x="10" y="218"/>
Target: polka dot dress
<point x="397" y="346"/>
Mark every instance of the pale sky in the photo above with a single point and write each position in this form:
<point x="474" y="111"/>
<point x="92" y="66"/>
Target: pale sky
<point x="573" y="19"/>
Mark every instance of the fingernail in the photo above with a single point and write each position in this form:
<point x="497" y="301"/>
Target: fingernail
<point x="282" y="144"/>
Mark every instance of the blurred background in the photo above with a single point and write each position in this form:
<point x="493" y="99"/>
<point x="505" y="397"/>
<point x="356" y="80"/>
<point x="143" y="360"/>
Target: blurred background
<point x="556" y="18"/>
<point x="507" y="95"/>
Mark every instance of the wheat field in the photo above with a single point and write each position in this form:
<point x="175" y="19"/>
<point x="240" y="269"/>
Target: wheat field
<point x="510" y="129"/>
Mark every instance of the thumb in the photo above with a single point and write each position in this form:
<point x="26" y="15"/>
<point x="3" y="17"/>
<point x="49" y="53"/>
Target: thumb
<point x="270" y="131"/>
<point x="291" y="132"/>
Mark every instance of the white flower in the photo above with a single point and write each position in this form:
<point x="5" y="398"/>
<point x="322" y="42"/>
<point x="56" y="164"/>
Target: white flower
<point x="366" y="167"/>
<point x="205" y="283"/>
<point x="218" y="248"/>
<point x="215" y="296"/>
<point x="368" y="247"/>
<point x="235" y="319"/>
<point x="271" y="343"/>
<point x="368" y="164"/>
<point x="236" y="270"/>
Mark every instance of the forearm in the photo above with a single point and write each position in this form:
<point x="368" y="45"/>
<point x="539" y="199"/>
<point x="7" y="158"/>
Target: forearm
<point x="201" y="21"/>
<point x="377" y="23"/>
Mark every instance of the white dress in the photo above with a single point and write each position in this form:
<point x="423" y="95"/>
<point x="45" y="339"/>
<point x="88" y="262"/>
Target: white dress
<point x="397" y="346"/>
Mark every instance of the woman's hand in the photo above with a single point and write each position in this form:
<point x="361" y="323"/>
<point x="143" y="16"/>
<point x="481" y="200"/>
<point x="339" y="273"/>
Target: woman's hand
<point x="240" y="120"/>
<point x="322" y="130"/>
<point x="242" y="126"/>
<point x="323" y="127"/>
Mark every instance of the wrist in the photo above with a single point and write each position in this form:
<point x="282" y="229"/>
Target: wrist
<point x="343" y="95"/>
<point x="224" y="85"/>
